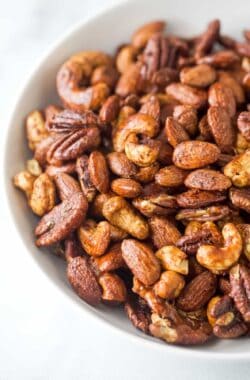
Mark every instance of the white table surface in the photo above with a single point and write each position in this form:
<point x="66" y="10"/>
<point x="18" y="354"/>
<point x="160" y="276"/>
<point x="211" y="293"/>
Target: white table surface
<point x="42" y="336"/>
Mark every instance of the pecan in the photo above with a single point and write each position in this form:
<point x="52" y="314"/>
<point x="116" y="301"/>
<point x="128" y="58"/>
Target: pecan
<point x="243" y="123"/>
<point x="68" y="121"/>
<point x="164" y="232"/>
<point x="207" y="179"/>
<point x="198" y="292"/>
<point x="86" y="184"/>
<point x="240" y="283"/>
<point x="240" y="198"/>
<point x="222" y="59"/>
<point x="195" y="154"/>
<point x="244" y="230"/>
<point x="61" y="220"/>
<point x="141" y="260"/>
<point x="73" y="145"/>
<point x="83" y="280"/>
<point x="224" y="286"/>
<point x="207" y="39"/>
<point x="197" y="198"/>
<point x="138" y="313"/>
<point x="159" y="204"/>
<point x="142" y="35"/>
<point x="212" y="213"/>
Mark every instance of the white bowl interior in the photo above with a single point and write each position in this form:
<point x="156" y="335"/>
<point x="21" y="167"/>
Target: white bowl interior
<point x="105" y="32"/>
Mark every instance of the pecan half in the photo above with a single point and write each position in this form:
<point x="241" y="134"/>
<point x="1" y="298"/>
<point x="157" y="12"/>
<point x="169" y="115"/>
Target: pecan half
<point x="240" y="283"/>
<point x="68" y="121"/>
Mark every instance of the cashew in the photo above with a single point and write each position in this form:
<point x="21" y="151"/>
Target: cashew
<point x="238" y="170"/>
<point x="218" y="259"/>
<point x="77" y="70"/>
<point x="42" y="198"/>
<point x="142" y="154"/>
<point x="170" y="285"/>
<point x="35" y="129"/>
<point x="24" y="180"/>
<point x="137" y="124"/>
<point x="172" y="258"/>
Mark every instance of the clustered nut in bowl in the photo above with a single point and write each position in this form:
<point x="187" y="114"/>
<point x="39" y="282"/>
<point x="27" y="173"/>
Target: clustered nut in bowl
<point x="142" y="181"/>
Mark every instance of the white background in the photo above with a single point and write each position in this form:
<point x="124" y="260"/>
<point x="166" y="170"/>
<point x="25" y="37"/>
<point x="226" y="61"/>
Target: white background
<point x="42" y="336"/>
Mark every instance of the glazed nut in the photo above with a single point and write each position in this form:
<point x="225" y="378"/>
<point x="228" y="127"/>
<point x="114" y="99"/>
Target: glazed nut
<point x="125" y="58"/>
<point x="199" y="198"/>
<point x="187" y="117"/>
<point x="66" y="185"/>
<point x="240" y="198"/>
<point x="163" y="231"/>
<point x="94" y="237"/>
<point x="200" y="76"/>
<point x="244" y="230"/>
<point x="120" y="165"/>
<point x="172" y="258"/>
<point x="240" y="292"/>
<point x="207" y="179"/>
<point x="119" y="213"/>
<point x="24" y="180"/>
<point x="170" y="285"/>
<point x="83" y="280"/>
<point x="35" y="129"/>
<point x="241" y="144"/>
<point x="111" y="260"/>
<point x="142" y="35"/>
<point x="197" y="292"/>
<point x="86" y="184"/>
<point x="195" y="154"/>
<point x="218" y="259"/>
<point x="222" y="96"/>
<point x="243" y="123"/>
<point x="142" y="154"/>
<point x="175" y="133"/>
<point x="238" y="170"/>
<point x="221" y="128"/>
<point x="98" y="171"/>
<point x="34" y="167"/>
<point x="171" y="176"/>
<point x="127" y="188"/>
<point x="185" y="94"/>
<point x="141" y="261"/>
<point x="212" y="214"/>
<point x="138" y="312"/>
<point x="113" y="288"/>
<point x="43" y="195"/>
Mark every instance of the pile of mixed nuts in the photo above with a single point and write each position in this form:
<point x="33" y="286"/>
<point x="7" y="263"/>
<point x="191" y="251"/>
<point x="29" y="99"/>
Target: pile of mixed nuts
<point x="142" y="181"/>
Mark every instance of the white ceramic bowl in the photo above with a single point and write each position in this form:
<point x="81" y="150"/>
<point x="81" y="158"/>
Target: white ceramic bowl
<point x="105" y="32"/>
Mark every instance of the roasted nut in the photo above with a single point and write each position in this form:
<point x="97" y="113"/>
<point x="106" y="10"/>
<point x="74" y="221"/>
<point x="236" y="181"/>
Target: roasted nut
<point x="24" y="181"/>
<point x="243" y="123"/>
<point x="240" y="198"/>
<point x="97" y="205"/>
<point x="222" y="96"/>
<point x="120" y="165"/>
<point x="169" y="286"/>
<point x="82" y="279"/>
<point x="141" y="261"/>
<point x="125" y="58"/>
<point x="98" y="171"/>
<point x="104" y="75"/>
<point x="114" y="290"/>
<point x="138" y="313"/>
<point x="66" y="185"/>
<point x="198" y="198"/>
<point x="42" y="197"/>
<point x="240" y="283"/>
<point x="87" y="186"/>
<point x="68" y="121"/>
<point x="244" y="230"/>
<point x="171" y="176"/>
<point x="175" y="133"/>
<point x="172" y="258"/>
<point x="241" y="144"/>
<point x="187" y="95"/>
<point x="228" y="80"/>
<point x="61" y="220"/>
<point x="198" y="292"/>
<point x="221" y="127"/>
<point x="111" y="260"/>
<point x="211" y="214"/>
<point x="34" y="167"/>
<point x="164" y="232"/>
<point x="205" y="130"/>
<point x="128" y="83"/>
<point x="200" y="76"/>
<point x="207" y="179"/>
<point x="208" y="37"/>
<point x="238" y="170"/>
<point x="147" y="173"/>
<point x="142" y="154"/>
<point x="127" y="188"/>
<point x="94" y="238"/>
<point x="152" y="107"/>
<point x="110" y="109"/>
<point x="218" y="259"/>
<point x="119" y="213"/>
<point x="186" y="116"/>
<point x="142" y="35"/>
<point x="159" y="204"/>
<point x="117" y="234"/>
<point x="195" y="154"/>
<point x="35" y="129"/>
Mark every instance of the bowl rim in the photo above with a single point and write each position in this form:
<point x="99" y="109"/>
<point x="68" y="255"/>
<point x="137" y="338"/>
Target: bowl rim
<point x="185" y="351"/>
